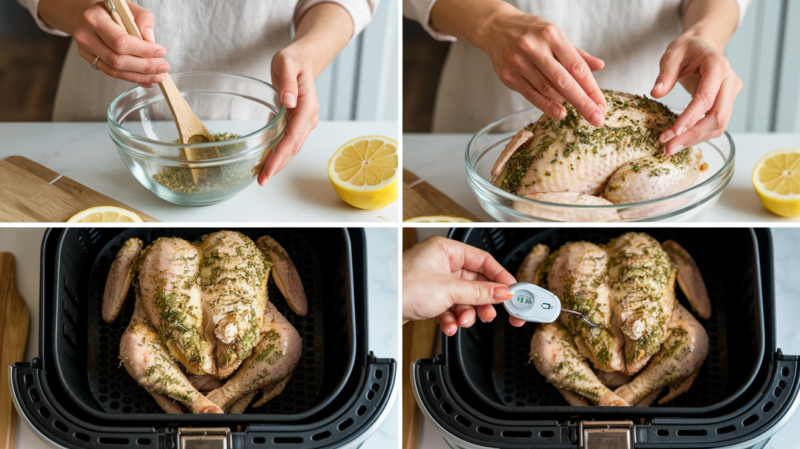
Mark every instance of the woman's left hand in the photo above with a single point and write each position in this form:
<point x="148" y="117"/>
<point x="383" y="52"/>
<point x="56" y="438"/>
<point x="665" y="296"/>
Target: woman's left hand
<point x="707" y="75"/>
<point x="293" y="76"/>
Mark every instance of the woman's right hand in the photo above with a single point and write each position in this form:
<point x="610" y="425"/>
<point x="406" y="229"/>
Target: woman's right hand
<point x="122" y="56"/>
<point x="534" y="57"/>
<point x="452" y="283"/>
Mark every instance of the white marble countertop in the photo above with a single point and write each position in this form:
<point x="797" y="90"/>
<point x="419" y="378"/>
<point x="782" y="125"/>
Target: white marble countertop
<point x="439" y="159"/>
<point x="786" y="245"/>
<point x="301" y="192"/>
<point x="382" y="247"/>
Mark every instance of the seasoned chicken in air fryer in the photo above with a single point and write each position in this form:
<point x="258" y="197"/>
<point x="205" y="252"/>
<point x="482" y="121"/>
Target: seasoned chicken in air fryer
<point x="621" y="162"/>
<point x="646" y="340"/>
<point x="202" y="320"/>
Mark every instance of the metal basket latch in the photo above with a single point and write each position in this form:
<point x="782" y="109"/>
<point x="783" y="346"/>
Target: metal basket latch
<point x="204" y="438"/>
<point x="607" y="435"/>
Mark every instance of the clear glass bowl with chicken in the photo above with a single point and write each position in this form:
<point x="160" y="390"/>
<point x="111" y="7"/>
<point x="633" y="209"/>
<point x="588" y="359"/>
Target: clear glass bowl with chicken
<point x="647" y="342"/>
<point x="569" y="170"/>
<point x="204" y="337"/>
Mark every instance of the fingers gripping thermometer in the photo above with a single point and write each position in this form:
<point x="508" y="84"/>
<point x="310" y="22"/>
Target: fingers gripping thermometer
<point x="532" y="303"/>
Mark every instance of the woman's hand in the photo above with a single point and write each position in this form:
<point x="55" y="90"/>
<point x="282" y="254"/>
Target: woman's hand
<point x="707" y="75"/>
<point x="321" y="34"/>
<point x="535" y="58"/>
<point x="293" y="76"/>
<point x="122" y="56"/>
<point x="452" y="283"/>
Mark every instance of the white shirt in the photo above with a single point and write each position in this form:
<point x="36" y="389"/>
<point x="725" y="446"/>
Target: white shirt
<point x="238" y="37"/>
<point x="630" y="36"/>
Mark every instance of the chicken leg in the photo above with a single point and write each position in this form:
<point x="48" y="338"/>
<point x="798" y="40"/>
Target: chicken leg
<point x="676" y="364"/>
<point x="557" y="359"/>
<point x="151" y="365"/>
<point x="272" y="360"/>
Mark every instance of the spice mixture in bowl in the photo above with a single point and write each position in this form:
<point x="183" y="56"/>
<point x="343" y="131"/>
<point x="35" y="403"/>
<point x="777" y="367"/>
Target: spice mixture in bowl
<point x="244" y="115"/>
<point x="559" y="163"/>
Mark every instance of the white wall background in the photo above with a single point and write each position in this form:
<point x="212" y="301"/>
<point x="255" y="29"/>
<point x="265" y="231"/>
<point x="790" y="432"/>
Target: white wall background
<point x="765" y="53"/>
<point x="360" y="84"/>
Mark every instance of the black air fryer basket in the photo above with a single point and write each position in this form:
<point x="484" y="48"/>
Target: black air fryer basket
<point x="76" y="394"/>
<point x="483" y="392"/>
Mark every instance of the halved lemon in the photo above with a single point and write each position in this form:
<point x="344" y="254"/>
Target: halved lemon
<point x="105" y="214"/>
<point x="437" y="219"/>
<point x="363" y="172"/>
<point x="776" y="178"/>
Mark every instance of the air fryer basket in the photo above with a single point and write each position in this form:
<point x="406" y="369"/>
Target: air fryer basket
<point x="336" y="393"/>
<point x="484" y="391"/>
<point x="114" y="393"/>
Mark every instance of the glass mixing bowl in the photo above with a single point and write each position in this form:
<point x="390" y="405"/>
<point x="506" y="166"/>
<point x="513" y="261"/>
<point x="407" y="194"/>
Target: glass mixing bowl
<point x="485" y="147"/>
<point x="140" y="124"/>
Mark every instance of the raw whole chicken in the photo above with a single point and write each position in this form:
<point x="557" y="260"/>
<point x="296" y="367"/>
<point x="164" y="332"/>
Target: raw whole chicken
<point x="621" y="162"/>
<point x="646" y="339"/>
<point x="202" y="320"/>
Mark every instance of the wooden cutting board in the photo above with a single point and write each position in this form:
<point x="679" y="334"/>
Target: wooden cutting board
<point x="14" y="320"/>
<point x="422" y="199"/>
<point x="30" y="192"/>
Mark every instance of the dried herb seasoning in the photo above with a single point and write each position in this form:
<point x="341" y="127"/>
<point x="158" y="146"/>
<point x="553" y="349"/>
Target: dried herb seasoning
<point x="222" y="177"/>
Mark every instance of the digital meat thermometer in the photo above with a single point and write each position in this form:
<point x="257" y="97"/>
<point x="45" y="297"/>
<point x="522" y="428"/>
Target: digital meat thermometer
<point x="532" y="303"/>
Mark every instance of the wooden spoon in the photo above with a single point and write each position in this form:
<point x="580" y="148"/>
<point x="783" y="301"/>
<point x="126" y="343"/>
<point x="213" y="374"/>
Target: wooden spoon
<point x="190" y="128"/>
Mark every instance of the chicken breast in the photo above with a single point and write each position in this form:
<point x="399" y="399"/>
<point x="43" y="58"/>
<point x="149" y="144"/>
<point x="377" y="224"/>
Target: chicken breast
<point x="578" y="274"/>
<point x="642" y="281"/>
<point x="571" y="155"/>
<point x="233" y="277"/>
<point x="651" y="177"/>
<point x="171" y="300"/>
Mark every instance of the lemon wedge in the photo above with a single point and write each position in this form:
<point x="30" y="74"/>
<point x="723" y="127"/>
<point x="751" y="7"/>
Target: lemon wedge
<point x="437" y="219"/>
<point x="776" y="178"/>
<point x="363" y="172"/>
<point x="105" y="214"/>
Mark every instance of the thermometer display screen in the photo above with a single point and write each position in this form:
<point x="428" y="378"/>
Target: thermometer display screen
<point x="523" y="299"/>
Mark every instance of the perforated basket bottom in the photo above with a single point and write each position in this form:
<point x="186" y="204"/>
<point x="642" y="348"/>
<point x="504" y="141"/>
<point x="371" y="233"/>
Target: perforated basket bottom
<point x="516" y="381"/>
<point x="116" y="392"/>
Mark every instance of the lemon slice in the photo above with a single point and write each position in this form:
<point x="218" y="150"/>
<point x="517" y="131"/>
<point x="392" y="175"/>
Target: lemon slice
<point x="776" y="178"/>
<point x="363" y="172"/>
<point x="437" y="219"/>
<point x="105" y="214"/>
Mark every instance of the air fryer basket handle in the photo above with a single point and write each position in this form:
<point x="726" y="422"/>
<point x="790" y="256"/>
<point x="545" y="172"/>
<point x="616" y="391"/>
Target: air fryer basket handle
<point x="348" y="427"/>
<point x="58" y="427"/>
<point x="466" y="427"/>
